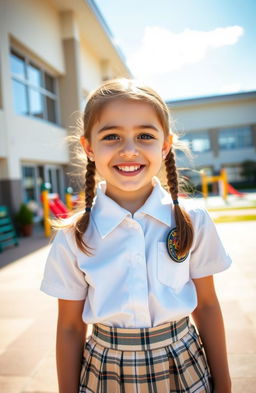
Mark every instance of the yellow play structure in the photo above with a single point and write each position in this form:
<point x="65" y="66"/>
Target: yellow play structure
<point x="222" y="179"/>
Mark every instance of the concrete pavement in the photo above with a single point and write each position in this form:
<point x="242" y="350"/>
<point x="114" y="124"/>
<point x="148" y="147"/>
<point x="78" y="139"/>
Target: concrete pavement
<point x="28" y="317"/>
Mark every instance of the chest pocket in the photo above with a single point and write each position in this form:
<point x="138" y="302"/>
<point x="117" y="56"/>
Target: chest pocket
<point x="169" y="272"/>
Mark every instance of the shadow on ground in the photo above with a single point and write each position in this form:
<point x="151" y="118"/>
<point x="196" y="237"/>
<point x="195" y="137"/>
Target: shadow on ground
<point x="27" y="245"/>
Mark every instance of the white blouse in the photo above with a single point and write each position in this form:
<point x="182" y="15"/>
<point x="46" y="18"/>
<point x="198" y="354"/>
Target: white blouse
<point x="131" y="281"/>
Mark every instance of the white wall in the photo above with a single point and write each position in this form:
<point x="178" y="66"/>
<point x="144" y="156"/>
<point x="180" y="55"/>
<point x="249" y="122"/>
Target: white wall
<point x="37" y="141"/>
<point x="37" y="25"/>
<point x="214" y="115"/>
<point x="3" y="141"/>
<point x="90" y="69"/>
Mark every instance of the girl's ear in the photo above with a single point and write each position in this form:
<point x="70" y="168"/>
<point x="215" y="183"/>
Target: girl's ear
<point x="87" y="147"/>
<point x="167" y="145"/>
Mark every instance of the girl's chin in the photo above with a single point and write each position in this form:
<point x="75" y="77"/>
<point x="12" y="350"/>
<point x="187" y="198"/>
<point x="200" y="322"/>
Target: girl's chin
<point x="129" y="185"/>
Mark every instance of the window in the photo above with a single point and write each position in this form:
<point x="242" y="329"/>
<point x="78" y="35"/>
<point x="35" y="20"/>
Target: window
<point x="234" y="173"/>
<point x="34" y="90"/>
<point x="29" y="183"/>
<point x="198" y="142"/>
<point x="235" y="138"/>
<point x="34" y="175"/>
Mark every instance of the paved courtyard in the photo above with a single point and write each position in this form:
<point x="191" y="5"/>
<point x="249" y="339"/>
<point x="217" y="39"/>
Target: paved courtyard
<point x="28" y="317"/>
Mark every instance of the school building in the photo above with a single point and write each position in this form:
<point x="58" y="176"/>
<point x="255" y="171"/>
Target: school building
<point x="52" y="53"/>
<point x="220" y="131"/>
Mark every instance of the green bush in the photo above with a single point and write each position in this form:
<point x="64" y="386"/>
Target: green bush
<point x="24" y="215"/>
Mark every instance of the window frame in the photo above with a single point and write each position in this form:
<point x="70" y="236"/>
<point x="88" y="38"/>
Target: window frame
<point x="189" y="137"/>
<point x="44" y="93"/>
<point x="235" y="167"/>
<point x="237" y="146"/>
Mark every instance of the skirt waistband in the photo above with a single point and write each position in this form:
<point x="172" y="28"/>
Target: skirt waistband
<point x="140" y="339"/>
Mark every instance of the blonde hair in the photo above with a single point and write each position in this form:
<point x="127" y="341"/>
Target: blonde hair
<point x="126" y="89"/>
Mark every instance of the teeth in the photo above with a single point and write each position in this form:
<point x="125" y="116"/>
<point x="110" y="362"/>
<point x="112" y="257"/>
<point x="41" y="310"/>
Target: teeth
<point x="129" y="168"/>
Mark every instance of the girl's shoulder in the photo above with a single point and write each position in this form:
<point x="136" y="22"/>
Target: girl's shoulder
<point x="195" y="209"/>
<point x="64" y="231"/>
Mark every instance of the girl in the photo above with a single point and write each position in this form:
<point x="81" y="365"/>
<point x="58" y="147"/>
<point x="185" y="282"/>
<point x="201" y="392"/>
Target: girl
<point x="136" y="262"/>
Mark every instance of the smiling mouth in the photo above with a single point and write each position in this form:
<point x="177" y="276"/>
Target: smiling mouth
<point x="129" y="169"/>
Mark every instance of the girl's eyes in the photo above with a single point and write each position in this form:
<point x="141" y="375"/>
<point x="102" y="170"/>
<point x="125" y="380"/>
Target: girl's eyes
<point x="146" y="136"/>
<point x="110" y="137"/>
<point x="113" y="137"/>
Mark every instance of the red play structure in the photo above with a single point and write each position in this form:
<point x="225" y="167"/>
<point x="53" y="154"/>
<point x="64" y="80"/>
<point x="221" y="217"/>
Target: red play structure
<point x="57" y="207"/>
<point x="234" y="191"/>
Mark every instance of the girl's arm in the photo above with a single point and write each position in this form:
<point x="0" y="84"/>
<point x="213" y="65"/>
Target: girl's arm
<point x="209" y="322"/>
<point x="71" y="333"/>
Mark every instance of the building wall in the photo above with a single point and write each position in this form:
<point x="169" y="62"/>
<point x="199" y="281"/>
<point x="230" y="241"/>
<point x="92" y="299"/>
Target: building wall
<point x="90" y="68"/>
<point x="51" y="34"/>
<point x="3" y="147"/>
<point x="208" y="116"/>
<point x="36" y="24"/>
<point x="224" y="114"/>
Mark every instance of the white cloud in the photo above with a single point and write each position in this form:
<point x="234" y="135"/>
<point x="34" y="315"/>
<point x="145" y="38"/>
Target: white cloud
<point x="162" y="50"/>
<point x="231" y="88"/>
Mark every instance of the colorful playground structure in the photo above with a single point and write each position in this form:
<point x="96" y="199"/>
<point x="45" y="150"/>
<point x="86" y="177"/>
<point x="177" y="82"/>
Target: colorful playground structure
<point x="224" y="187"/>
<point x="54" y="207"/>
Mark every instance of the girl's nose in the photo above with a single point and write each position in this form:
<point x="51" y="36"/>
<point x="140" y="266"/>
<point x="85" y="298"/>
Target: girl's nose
<point x="129" y="150"/>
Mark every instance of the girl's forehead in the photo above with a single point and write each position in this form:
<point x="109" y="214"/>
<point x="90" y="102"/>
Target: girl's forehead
<point x="124" y="109"/>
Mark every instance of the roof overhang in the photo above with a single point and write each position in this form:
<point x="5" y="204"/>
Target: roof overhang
<point x="217" y="99"/>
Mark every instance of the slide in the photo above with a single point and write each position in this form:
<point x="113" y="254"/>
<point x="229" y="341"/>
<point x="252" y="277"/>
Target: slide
<point x="57" y="207"/>
<point x="232" y="190"/>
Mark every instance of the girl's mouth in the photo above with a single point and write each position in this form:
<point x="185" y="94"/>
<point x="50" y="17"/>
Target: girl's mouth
<point x="129" y="170"/>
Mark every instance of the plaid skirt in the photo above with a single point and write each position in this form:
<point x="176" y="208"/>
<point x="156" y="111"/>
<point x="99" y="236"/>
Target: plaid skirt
<point x="165" y="359"/>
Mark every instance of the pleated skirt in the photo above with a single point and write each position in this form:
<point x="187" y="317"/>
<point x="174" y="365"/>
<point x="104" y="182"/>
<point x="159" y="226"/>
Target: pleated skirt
<point x="165" y="359"/>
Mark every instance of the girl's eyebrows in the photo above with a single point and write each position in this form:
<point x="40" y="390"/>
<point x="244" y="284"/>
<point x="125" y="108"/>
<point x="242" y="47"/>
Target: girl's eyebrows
<point x="116" y="127"/>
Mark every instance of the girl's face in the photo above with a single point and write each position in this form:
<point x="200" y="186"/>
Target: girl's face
<point x="127" y="144"/>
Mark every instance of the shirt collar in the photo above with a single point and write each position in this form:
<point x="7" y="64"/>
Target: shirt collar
<point x="107" y="214"/>
<point x="159" y="204"/>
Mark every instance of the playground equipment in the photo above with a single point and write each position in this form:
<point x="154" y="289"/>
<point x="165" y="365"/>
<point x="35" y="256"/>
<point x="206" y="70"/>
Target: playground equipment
<point x="53" y="205"/>
<point x="224" y="186"/>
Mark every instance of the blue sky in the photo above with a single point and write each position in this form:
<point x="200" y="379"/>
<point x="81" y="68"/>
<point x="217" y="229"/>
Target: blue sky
<point x="186" y="48"/>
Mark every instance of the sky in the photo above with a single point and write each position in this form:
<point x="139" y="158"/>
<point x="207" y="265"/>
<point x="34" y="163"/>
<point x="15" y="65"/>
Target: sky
<point x="186" y="48"/>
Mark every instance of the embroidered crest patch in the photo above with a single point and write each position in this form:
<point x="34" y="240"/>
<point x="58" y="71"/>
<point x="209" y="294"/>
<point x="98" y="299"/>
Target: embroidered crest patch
<point x="172" y="245"/>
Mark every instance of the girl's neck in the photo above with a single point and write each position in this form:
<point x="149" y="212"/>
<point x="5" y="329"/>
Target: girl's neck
<point x="129" y="200"/>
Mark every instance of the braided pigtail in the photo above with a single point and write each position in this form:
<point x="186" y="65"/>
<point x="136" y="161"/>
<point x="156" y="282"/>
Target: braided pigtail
<point x="82" y="223"/>
<point x="183" y="221"/>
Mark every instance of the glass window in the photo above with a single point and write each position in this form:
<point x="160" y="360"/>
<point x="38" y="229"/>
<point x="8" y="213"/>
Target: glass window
<point x="34" y="75"/>
<point x="29" y="183"/>
<point x="234" y="173"/>
<point x="51" y="112"/>
<point x="20" y="98"/>
<point x="33" y="89"/>
<point x="49" y="83"/>
<point x="198" y="142"/>
<point x="18" y="66"/>
<point x="235" y="138"/>
<point x="36" y="103"/>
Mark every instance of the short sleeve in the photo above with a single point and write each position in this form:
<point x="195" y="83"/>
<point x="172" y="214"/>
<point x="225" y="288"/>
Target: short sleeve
<point x="208" y="255"/>
<point x="62" y="276"/>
